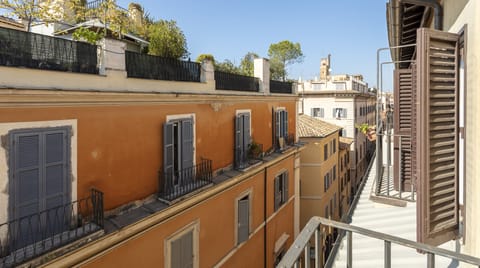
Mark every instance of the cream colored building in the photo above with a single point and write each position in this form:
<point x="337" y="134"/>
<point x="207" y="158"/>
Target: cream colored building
<point x="345" y="101"/>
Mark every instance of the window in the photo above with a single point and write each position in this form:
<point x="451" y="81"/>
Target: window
<point x="343" y="133"/>
<point x="182" y="248"/>
<point x="326" y="182"/>
<point x="334" y="145"/>
<point x="318" y="112"/>
<point x="242" y="139"/>
<point x="331" y="208"/>
<point x="178" y="151"/>
<point x="326" y="212"/>
<point x="325" y="152"/>
<point x="39" y="179"/>
<point x="339" y="86"/>
<point x="339" y="113"/>
<point x="334" y="171"/>
<point x="281" y="127"/>
<point x="243" y="219"/>
<point x="281" y="190"/>
<point x="335" y="201"/>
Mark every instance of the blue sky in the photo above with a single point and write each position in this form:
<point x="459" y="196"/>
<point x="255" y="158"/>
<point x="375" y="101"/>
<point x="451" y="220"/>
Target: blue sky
<point x="350" y="30"/>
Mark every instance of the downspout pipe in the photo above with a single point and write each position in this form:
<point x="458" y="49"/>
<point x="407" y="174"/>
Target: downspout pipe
<point x="438" y="10"/>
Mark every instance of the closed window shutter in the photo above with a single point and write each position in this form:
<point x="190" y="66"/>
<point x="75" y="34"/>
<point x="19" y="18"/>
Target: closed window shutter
<point x="403" y="88"/>
<point x="246" y="135"/>
<point x="322" y="112"/>
<point x="344" y="113"/>
<point x="277" y="124"/>
<point x="182" y="251"/>
<point x="285" y="123"/>
<point x="168" y="155"/>
<point x="243" y="220"/>
<point x="313" y="112"/>
<point x="277" y="193"/>
<point x="187" y="143"/>
<point x="437" y="131"/>
<point x="285" y="185"/>
<point x="334" y="113"/>
<point x="238" y="140"/>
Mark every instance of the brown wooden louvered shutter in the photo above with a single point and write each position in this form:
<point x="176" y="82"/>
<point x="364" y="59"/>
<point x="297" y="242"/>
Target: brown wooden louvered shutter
<point x="414" y="126"/>
<point x="437" y="136"/>
<point x="402" y="157"/>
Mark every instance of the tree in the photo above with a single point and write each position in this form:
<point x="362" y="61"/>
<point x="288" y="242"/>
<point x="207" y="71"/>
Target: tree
<point x="29" y="10"/>
<point x="203" y="57"/>
<point x="228" y="67"/>
<point x="167" y="40"/>
<point x="246" y="65"/>
<point x="281" y="55"/>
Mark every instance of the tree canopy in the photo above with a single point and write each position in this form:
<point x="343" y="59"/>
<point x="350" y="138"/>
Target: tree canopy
<point x="281" y="55"/>
<point x="246" y="65"/>
<point x="29" y="10"/>
<point x="167" y="40"/>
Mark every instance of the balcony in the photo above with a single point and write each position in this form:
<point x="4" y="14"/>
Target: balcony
<point x="236" y="82"/>
<point x="280" y="87"/>
<point x="30" y="50"/>
<point x="159" y="68"/>
<point x="177" y="184"/>
<point x="245" y="159"/>
<point x="53" y="231"/>
<point x="377" y="235"/>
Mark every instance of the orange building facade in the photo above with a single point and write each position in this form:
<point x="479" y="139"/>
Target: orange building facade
<point x="185" y="173"/>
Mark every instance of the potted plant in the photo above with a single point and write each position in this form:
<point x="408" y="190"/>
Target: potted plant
<point x="368" y="130"/>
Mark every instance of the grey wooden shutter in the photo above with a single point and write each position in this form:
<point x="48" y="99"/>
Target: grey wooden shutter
<point x="277" y="124"/>
<point x="437" y="133"/>
<point x="334" y="113"/>
<point x="181" y="251"/>
<point x="285" y="186"/>
<point x="26" y="187"/>
<point x="168" y="154"/>
<point x="187" y="143"/>
<point x="285" y="123"/>
<point x="238" y="140"/>
<point x="344" y="113"/>
<point x="56" y="182"/>
<point x="312" y="112"/>
<point x="277" y="193"/>
<point x="243" y="219"/>
<point x="403" y="88"/>
<point x="246" y="135"/>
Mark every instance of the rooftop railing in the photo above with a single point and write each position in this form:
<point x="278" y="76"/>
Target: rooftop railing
<point x="25" y="49"/>
<point x="97" y="4"/>
<point x="159" y="68"/>
<point x="280" y="87"/>
<point x="176" y="184"/>
<point x="28" y="237"/>
<point x="229" y="81"/>
<point x="300" y="250"/>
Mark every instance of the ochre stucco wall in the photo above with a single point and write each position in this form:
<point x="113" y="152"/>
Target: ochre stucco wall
<point x="120" y="145"/>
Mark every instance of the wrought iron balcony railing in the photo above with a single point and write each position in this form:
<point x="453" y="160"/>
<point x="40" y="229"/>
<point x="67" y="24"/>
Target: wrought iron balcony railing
<point x="280" y="87"/>
<point x="176" y="184"/>
<point x="31" y="236"/>
<point x="25" y="49"/>
<point x="159" y="68"/>
<point x="300" y="251"/>
<point x="253" y="155"/>
<point x="229" y="81"/>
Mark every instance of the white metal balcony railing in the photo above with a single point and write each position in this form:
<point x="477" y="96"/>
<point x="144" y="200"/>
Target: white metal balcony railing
<point x="300" y="250"/>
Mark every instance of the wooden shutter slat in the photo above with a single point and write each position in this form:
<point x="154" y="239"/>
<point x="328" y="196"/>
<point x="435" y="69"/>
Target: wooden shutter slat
<point x="437" y="133"/>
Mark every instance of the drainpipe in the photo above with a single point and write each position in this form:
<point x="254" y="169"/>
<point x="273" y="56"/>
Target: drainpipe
<point x="438" y="10"/>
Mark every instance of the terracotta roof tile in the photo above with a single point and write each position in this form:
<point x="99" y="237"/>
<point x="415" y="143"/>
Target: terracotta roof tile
<point x="313" y="127"/>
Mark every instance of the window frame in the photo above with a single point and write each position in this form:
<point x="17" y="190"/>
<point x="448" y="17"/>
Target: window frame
<point x="193" y="227"/>
<point x="246" y="194"/>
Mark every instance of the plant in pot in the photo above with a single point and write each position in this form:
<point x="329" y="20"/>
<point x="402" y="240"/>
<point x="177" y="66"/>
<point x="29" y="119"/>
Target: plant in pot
<point x="368" y="130"/>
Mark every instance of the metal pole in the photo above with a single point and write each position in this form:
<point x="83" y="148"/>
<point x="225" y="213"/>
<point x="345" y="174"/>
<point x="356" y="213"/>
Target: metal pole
<point x="387" y="254"/>
<point x="318" y="248"/>
<point x="430" y="260"/>
<point x="349" y="249"/>
<point x="306" y="255"/>
<point x="400" y="166"/>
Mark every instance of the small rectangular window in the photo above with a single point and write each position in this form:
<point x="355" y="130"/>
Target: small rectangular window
<point x="281" y="190"/>
<point x="334" y="144"/>
<point x="325" y="152"/>
<point x="334" y="170"/>
<point x="243" y="231"/>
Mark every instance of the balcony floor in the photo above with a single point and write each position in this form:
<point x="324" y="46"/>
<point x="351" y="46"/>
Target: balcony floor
<point x="393" y="220"/>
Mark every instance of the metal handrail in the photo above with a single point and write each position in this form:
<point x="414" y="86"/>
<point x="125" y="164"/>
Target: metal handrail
<point x="313" y="229"/>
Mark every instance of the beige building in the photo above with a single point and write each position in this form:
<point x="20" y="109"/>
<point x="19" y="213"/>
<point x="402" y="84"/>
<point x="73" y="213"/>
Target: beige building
<point x="322" y="173"/>
<point x="345" y="187"/>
